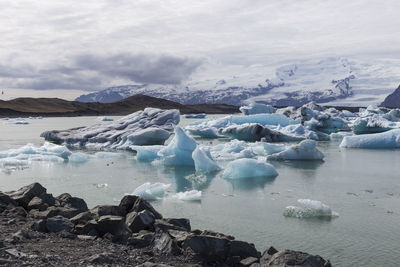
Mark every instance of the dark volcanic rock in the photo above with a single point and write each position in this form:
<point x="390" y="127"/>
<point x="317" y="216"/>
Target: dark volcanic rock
<point x="137" y="221"/>
<point x="210" y="248"/>
<point x="68" y="201"/>
<point x="392" y="100"/>
<point x="25" y="194"/>
<point x="58" y="224"/>
<point x="102" y="210"/>
<point x="286" y="258"/>
<point x="163" y="243"/>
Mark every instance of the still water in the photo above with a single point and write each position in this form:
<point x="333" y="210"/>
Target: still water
<point x="363" y="186"/>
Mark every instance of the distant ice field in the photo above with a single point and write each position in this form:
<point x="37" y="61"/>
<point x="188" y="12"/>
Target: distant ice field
<point x="360" y="185"/>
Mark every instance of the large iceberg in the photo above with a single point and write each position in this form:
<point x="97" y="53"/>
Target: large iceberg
<point x="256" y="108"/>
<point x="179" y="150"/>
<point x="373" y="124"/>
<point x="389" y="139"/>
<point x="248" y="168"/>
<point x="148" y="127"/>
<point x="309" y="208"/>
<point x="305" y="150"/>
<point x="203" y="161"/>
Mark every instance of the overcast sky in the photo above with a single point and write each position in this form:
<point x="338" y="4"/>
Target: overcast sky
<point x="89" y="45"/>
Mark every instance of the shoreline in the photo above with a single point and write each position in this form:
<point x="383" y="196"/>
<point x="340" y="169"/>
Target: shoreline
<point x="40" y="230"/>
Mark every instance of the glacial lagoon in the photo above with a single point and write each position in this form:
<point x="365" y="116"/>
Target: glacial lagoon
<point x="361" y="185"/>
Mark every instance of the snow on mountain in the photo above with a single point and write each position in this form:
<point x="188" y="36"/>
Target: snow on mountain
<point x="335" y="81"/>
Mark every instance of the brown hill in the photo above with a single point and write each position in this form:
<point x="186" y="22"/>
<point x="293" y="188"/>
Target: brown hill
<point x="56" y="107"/>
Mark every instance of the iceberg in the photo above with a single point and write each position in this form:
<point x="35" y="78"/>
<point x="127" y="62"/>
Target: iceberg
<point x="305" y="150"/>
<point x="78" y="157"/>
<point x="309" y="208"/>
<point x="339" y="135"/>
<point x="147" y="153"/>
<point x="17" y="121"/>
<point x="203" y="161"/>
<point x="195" y="116"/>
<point x="373" y="124"/>
<point x="192" y="195"/>
<point x="105" y="119"/>
<point x="203" y="131"/>
<point x="385" y="140"/>
<point x="150" y="191"/>
<point x="247" y="168"/>
<point x="179" y="150"/>
<point x="121" y="133"/>
<point x="256" y="108"/>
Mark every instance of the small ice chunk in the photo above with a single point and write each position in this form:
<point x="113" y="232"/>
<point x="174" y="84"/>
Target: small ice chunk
<point x="309" y="208"/>
<point x="246" y="168"/>
<point x="105" y="119"/>
<point x="195" y="116"/>
<point x="305" y="150"/>
<point x="179" y="150"/>
<point x="78" y="157"/>
<point x="192" y="195"/>
<point x="389" y="139"/>
<point x="203" y="161"/>
<point x="150" y="191"/>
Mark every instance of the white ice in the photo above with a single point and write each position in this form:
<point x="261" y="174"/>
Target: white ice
<point x="203" y="161"/>
<point x="192" y="195"/>
<point x="147" y="153"/>
<point x="256" y="108"/>
<point x="305" y="150"/>
<point x="389" y="139"/>
<point x="105" y="119"/>
<point x="247" y="168"/>
<point x="339" y="135"/>
<point x="309" y="208"/>
<point x="149" y="191"/>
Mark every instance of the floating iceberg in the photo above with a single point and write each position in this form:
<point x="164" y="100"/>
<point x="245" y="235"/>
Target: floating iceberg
<point x="150" y="191"/>
<point x="17" y="121"/>
<point x="203" y="161"/>
<point x="179" y="150"/>
<point x="256" y="108"/>
<point x="105" y="119"/>
<point x="203" y="131"/>
<point x="247" y="168"/>
<point x="389" y="139"/>
<point x="192" y="195"/>
<point x="305" y="150"/>
<point x="339" y="135"/>
<point x="78" y="157"/>
<point x="373" y="124"/>
<point x="121" y="133"/>
<point x="147" y="153"/>
<point x="309" y="208"/>
<point x="195" y="116"/>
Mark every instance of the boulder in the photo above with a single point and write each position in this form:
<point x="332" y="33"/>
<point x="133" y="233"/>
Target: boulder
<point x="82" y="217"/>
<point x="296" y="258"/>
<point x="110" y="224"/>
<point x="137" y="221"/>
<point x="40" y="226"/>
<point x="243" y="250"/>
<point x="210" y="248"/>
<point x="163" y="225"/>
<point x="54" y="211"/>
<point x="163" y="243"/>
<point x="58" y="223"/>
<point x="38" y="204"/>
<point x="181" y="222"/>
<point x="68" y="201"/>
<point x="141" y="204"/>
<point x="103" y="210"/>
<point x="7" y="200"/>
<point x="141" y="239"/>
<point x="25" y="194"/>
<point x="127" y="203"/>
<point x="248" y="261"/>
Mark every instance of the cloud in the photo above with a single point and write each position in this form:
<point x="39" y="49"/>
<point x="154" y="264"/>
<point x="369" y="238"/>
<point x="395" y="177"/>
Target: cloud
<point x="140" y="68"/>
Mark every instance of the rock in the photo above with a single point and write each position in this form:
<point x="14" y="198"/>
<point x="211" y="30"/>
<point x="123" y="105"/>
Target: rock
<point x="110" y="224"/>
<point x="296" y="258"/>
<point x="248" y="261"/>
<point x="38" y="204"/>
<point x="141" y="204"/>
<point x="143" y="220"/>
<point x="82" y="217"/>
<point x="243" y="250"/>
<point x="39" y="226"/>
<point x="102" y="210"/>
<point x="19" y="211"/>
<point x="266" y="256"/>
<point x="88" y="228"/>
<point x="127" y="203"/>
<point x="182" y="222"/>
<point x="86" y="237"/>
<point x="25" y="194"/>
<point x="179" y="236"/>
<point x="54" y="211"/>
<point x="15" y="253"/>
<point x="141" y="239"/>
<point x="66" y="200"/>
<point x="163" y="225"/>
<point x="210" y="248"/>
<point x="164" y="244"/>
<point x="101" y="259"/>
<point x="212" y="233"/>
<point x="58" y="224"/>
<point x="7" y="200"/>
<point x="151" y="264"/>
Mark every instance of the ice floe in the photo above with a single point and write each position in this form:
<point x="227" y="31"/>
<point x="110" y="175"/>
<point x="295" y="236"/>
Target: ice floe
<point x="248" y="168"/>
<point x="122" y="133"/>
<point x="105" y="119"/>
<point x="192" y="195"/>
<point x="309" y="208"/>
<point x="151" y="191"/>
<point x="305" y="150"/>
<point x="389" y="139"/>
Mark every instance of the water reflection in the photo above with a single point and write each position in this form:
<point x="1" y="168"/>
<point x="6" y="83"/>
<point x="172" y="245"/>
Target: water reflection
<point x="300" y="164"/>
<point x="252" y="183"/>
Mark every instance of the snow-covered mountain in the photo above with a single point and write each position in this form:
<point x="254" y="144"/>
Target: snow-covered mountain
<point x="336" y="81"/>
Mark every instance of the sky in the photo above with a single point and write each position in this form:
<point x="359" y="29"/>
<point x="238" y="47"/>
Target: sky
<point x="62" y="48"/>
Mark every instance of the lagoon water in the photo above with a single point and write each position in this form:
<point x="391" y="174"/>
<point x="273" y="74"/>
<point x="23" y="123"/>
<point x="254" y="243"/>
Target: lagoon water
<point x="363" y="186"/>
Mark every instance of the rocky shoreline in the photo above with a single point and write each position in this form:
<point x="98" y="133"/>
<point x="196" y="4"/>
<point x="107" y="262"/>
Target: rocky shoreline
<point x="38" y="229"/>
